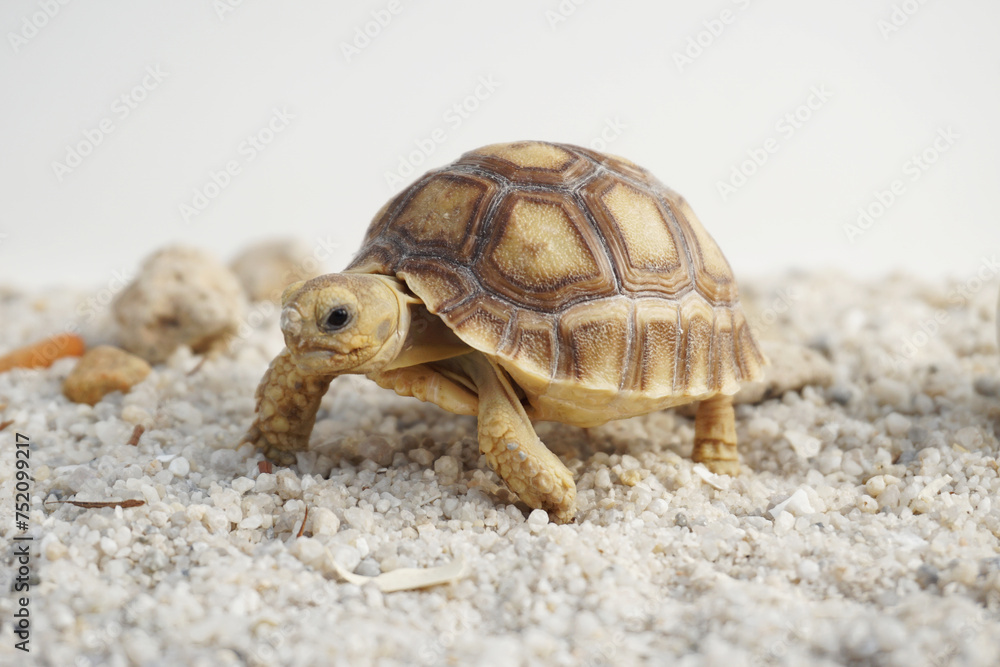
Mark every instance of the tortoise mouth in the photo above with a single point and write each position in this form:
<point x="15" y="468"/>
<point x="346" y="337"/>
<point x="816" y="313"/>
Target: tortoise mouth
<point x="315" y="359"/>
<point x="323" y="360"/>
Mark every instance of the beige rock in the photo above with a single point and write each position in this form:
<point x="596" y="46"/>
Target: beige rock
<point x="102" y="370"/>
<point x="266" y="268"/>
<point x="792" y="367"/>
<point x="181" y="296"/>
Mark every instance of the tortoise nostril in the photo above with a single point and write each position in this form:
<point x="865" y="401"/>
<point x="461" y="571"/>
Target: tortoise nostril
<point x="291" y="321"/>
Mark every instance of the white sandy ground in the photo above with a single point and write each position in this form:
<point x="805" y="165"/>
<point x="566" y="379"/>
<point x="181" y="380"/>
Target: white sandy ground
<point x="888" y="552"/>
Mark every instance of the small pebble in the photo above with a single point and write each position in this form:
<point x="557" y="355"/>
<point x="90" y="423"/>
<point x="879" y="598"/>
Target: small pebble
<point x="102" y="370"/>
<point x="804" y="445"/>
<point x="797" y="504"/>
<point x="537" y="519"/>
<point x="969" y="437"/>
<point x="421" y="456"/>
<point x="243" y="484"/>
<point x="265" y="483"/>
<point x="897" y="424"/>
<point x="986" y="385"/>
<point x="448" y="468"/>
<point x="324" y="521"/>
<point x="890" y="392"/>
<point x="179" y="467"/>
<point x="927" y="575"/>
<point x="841" y="394"/>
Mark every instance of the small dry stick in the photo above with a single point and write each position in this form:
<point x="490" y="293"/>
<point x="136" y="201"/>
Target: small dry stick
<point x="302" y="528"/>
<point x="90" y="505"/>
<point x="5" y="424"/>
<point x="197" y="366"/>
<point x="136" y="434"/>
<point x="264" y="466"/>
<point x="42" y="353"/>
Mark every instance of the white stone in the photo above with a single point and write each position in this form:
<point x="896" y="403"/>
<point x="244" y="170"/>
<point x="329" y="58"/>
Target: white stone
<point x="324" y="521"/>
<point x="179" y="467"/>
<point x="806" y="446"/>
<point x="243" y="484"/>
<point x="897" y="424"/>
<point x="797" y="505"/>
<point x="538" y="519"/>
<point x="265" y="483"/>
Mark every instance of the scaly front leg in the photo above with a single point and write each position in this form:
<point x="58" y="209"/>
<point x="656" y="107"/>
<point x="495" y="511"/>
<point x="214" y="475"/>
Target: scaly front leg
<point x="511" y="446"/>
<point x="287" y="402"/>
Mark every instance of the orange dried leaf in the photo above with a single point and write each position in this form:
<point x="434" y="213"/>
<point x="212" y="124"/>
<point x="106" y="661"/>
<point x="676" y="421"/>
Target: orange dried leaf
<point x="42" y="353"/>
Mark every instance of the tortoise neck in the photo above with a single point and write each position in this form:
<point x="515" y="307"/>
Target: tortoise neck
<point x="421" y="337"/>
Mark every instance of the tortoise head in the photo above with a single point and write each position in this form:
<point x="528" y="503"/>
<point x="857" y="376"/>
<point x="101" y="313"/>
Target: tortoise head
<point x="344" y="322"/>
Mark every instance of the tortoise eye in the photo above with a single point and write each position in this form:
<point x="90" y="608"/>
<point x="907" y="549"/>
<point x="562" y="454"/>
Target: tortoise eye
<point x="336" y="319"/>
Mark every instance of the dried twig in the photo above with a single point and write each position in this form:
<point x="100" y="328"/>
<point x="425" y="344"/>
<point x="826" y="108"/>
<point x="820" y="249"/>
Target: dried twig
<point x="5" y="424"/>
<point x="97" y="504"/>
<point x="197" y="366"/>
<point x="136" y="434"/>
<point x="265" y="466"/>
<point x="302" y="528"/>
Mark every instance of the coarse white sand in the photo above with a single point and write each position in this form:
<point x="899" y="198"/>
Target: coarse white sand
<point x="865" y="529"/>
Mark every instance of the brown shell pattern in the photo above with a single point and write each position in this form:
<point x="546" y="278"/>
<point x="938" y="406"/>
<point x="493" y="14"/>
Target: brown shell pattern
<point x="570" y="266"/>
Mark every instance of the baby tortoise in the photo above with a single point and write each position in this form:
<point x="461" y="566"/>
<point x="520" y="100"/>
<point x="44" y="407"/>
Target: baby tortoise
<point x="525" y="281"/>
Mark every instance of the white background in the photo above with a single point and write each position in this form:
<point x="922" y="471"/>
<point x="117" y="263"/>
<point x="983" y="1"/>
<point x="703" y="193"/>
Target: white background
<point x="358" y="115"/>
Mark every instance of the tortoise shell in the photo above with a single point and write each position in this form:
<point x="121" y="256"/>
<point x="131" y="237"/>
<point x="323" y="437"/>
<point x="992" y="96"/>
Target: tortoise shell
<point x="591" y="283"/>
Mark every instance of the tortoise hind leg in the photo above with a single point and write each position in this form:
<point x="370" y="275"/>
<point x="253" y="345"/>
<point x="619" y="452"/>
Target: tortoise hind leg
<point x="715" y="436"/>
<point x="513" y="450"/>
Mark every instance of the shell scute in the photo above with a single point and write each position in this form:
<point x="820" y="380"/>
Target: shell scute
<point x="646" y="244"/>
<point x="530" y="162"/>
<point x="544" y="253"/>
<point x="597" y="338"/>
<point x="444" y="215"/>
